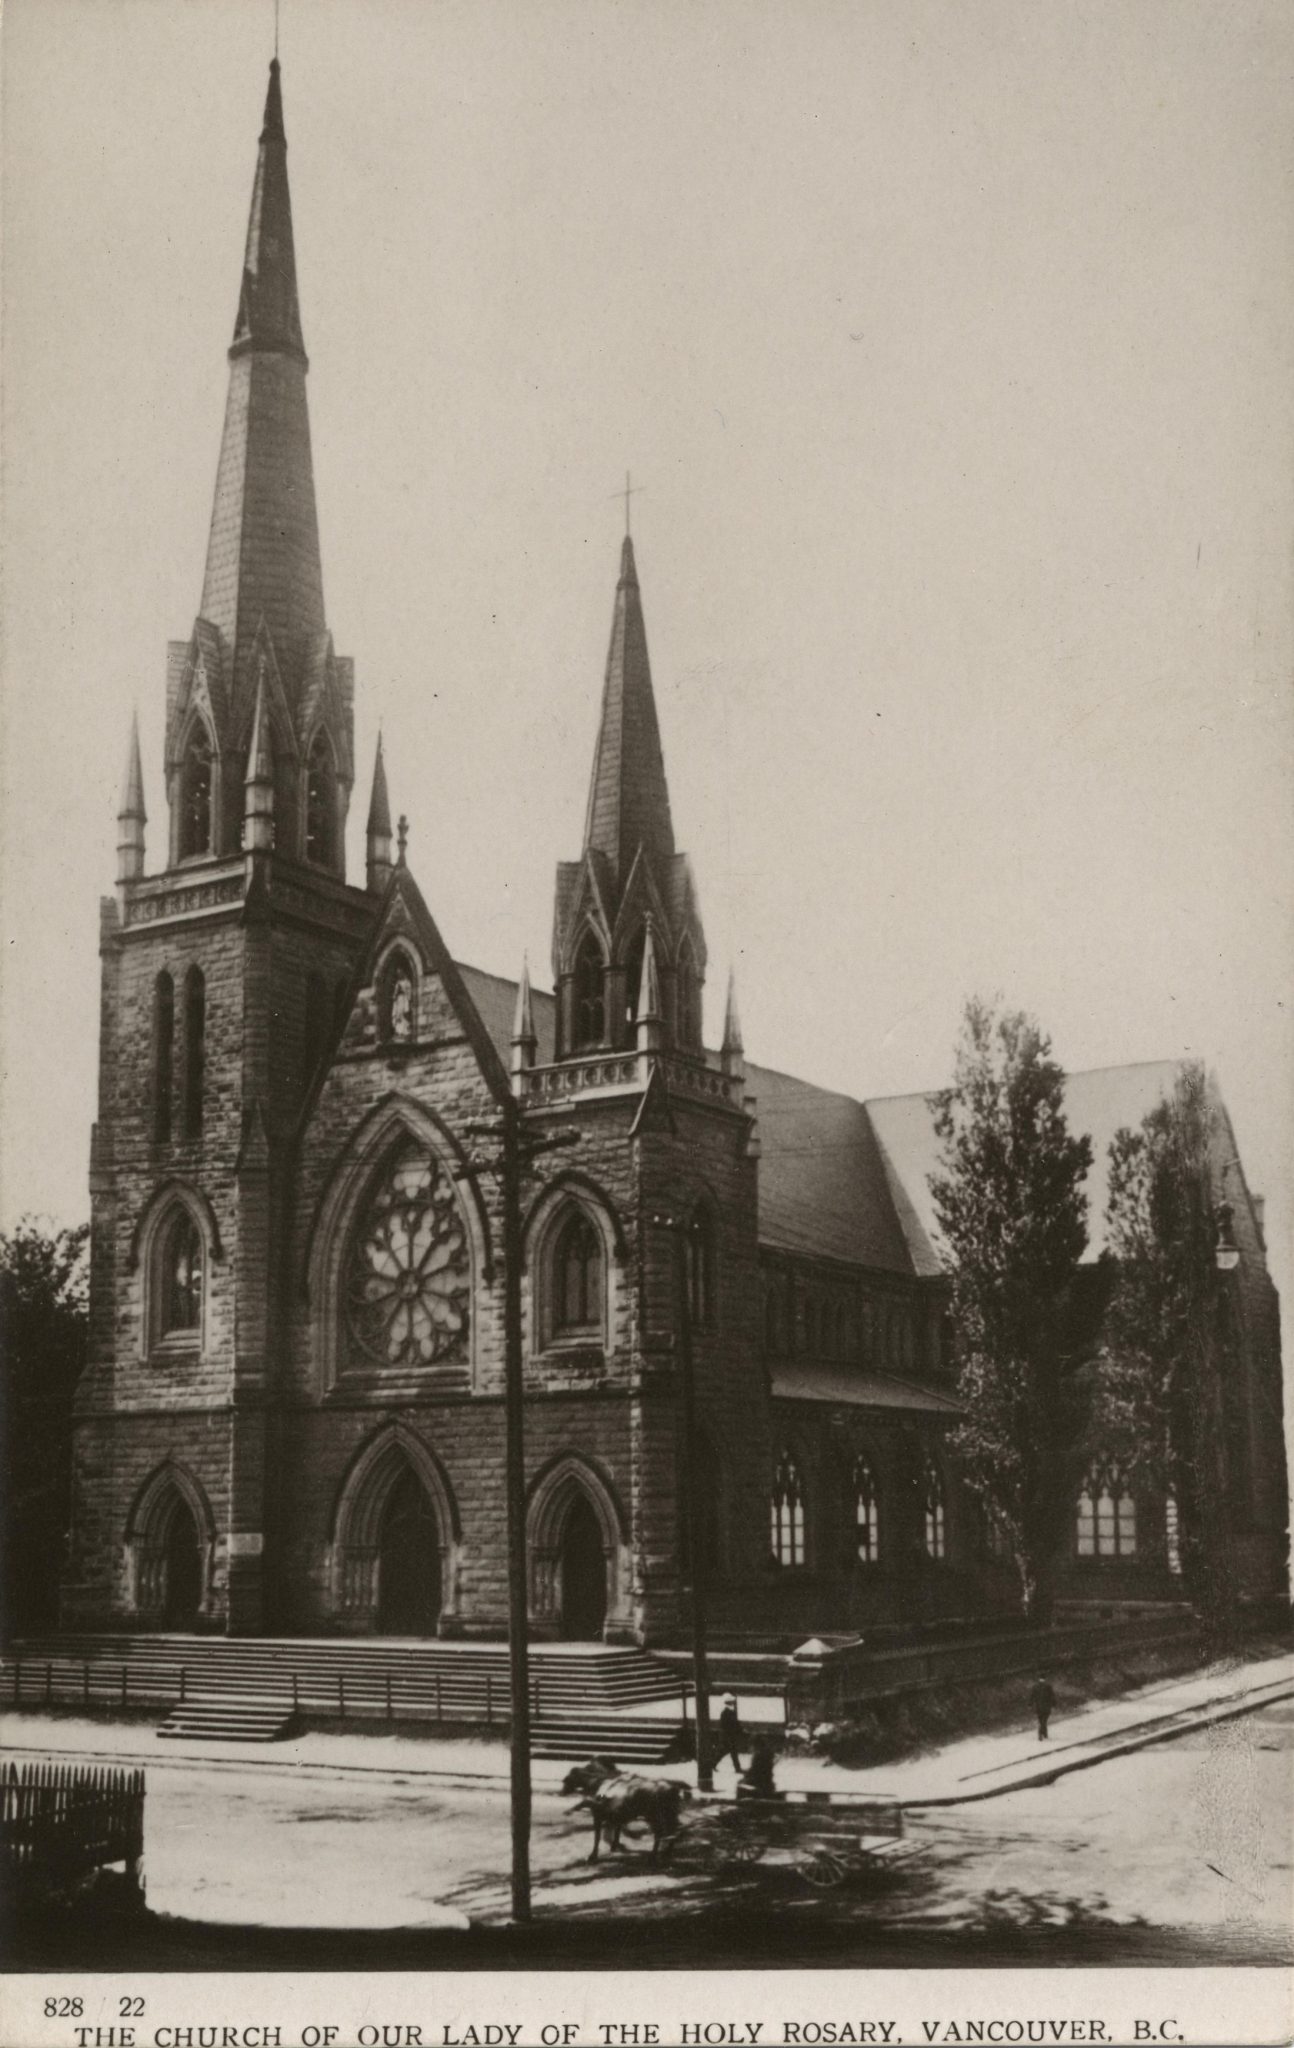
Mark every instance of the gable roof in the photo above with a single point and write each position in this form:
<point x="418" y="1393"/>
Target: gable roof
<point x="1098" y="1102"/>
<point x="822" y="1182"/>
<point x="849" y="1180"/>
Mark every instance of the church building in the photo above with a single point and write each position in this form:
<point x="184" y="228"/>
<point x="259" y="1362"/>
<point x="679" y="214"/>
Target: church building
<point x="292" y="1420"/>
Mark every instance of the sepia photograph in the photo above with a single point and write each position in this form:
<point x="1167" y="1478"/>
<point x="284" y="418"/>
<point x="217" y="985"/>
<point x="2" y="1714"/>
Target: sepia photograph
<point x="647" y="879"/>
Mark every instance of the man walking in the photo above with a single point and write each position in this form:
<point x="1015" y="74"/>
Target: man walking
<point x="730" y="1732"/>
<point x="1043" y="1700"/>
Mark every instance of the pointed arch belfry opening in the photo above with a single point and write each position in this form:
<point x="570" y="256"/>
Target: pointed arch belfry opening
<point x="196" y="794"/>
<point x="170" y="1540"/>
<point x="396" y="1541"/>
<point x="578" y="1555"/>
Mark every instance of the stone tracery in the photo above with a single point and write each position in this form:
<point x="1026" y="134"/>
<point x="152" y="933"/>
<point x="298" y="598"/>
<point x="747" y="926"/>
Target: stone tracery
<point x="407" y="1290"/>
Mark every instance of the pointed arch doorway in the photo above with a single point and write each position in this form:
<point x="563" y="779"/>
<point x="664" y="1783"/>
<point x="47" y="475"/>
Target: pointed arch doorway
<point x="409" y="1562"/>
<point x="583" y="1572"/>
<point x="181" y="1568"/>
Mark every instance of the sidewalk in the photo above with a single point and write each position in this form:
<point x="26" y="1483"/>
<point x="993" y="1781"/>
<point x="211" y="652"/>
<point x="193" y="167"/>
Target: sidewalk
<point x="970" y="1768"/>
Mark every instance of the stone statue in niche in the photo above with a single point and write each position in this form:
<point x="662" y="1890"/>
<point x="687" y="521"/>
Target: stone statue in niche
<point x="401" y="1004"/>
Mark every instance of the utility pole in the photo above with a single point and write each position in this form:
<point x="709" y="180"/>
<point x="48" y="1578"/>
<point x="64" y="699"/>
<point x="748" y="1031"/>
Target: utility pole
<point x="517" y="1148"/>
<point x="514" y="1463"/>
<point x="692" y="1497"/>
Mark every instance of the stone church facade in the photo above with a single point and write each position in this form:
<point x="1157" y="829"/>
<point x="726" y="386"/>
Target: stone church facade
<point x="292" y="1419"/>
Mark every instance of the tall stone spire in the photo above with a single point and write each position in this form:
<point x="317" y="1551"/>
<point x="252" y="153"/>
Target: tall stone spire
<point x="263" y="551"/>
<point x="628" y="797"/>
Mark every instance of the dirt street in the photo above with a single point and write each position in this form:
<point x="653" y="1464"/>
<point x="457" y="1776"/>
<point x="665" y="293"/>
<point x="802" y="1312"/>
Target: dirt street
<point x="1193" y="1834"/>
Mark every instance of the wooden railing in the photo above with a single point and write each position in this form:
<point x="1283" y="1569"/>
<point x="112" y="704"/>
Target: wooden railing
<point x="58" y="1822"/>
<point x="103" y="1684"/>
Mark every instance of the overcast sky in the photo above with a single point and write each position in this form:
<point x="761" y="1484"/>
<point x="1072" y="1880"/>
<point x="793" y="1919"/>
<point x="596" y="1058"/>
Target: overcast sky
<point x="952" y="347"/>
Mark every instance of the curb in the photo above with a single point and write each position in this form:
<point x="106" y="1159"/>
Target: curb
<point x="1141" y="1735"/>
<point x="1165" y="1728"/>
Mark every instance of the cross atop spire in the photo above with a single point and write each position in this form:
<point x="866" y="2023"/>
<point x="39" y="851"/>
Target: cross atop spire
<point x="631" y="490"/>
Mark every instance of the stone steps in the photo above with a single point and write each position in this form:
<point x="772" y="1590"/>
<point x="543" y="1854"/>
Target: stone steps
<point x="627" y="1739"/>
<point x="437" y="1681"/>
<point x="229" y="1717"/>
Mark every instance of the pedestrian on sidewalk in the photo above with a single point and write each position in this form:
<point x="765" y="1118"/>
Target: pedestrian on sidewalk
<point x="756" y="1782"/>
<point x="730" y="1732"/>
<point x="1043" y="1700"/>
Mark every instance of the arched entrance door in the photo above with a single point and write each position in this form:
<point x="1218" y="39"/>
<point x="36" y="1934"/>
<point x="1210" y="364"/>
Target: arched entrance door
<point x="182" y="1565"/>
<point x="584" y="1573"/>
<point x="408" y="1562"/>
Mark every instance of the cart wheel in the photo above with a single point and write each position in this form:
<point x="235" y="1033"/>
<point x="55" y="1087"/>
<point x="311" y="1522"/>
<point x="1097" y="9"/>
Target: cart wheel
<point x="823" y="1870"/>
<point x="737" y="1854"/>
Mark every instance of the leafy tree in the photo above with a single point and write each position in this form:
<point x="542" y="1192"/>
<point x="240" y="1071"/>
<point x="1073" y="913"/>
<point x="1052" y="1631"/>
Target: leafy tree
<point x="1162" y="1369"/>
<point x="1011" y="1207"/>
<point x="43" y="1330"/>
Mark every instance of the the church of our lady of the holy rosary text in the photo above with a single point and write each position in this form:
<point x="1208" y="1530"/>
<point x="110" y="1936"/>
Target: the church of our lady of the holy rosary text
<point x="292" y="1419"/>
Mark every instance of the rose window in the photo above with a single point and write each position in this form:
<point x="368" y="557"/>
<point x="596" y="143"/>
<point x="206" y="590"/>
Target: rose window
<point x="407" y="1287"/>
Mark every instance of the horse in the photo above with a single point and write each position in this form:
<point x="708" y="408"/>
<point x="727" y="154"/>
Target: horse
<point x="617" y="1801"/>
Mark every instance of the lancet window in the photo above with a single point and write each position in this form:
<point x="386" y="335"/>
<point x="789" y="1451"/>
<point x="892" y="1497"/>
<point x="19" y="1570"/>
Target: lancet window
<point x="589" y="994"/>
<point x="867" y="1513"/>
<point x="195" y="795"/>
<point x="321" y="803"/>
<point x="577" y="1277"/>
<point x="195" y="1050"/>
<point x="179" y="1278"/>
<point x="786" y="1512"/>
<point x="163" y="1056"/>
<point x="934" y="1510"/>
<point x="1106" y="1520"/>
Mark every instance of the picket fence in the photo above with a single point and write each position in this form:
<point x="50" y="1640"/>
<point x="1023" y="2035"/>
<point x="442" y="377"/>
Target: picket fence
<point x="59" y="1822"/>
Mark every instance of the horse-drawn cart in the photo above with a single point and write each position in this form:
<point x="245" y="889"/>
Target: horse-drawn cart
<point x="824" y="1838"/>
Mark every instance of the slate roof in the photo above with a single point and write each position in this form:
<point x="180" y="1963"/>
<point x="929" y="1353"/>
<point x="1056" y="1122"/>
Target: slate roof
<point x="628" y="800"/>
<point x="496" y="999"/>
<point x="822" y="1182"/>
<point x="1098" y="1102"/>
<point x="263" y="559"/>
<point x="849" y="1180"/>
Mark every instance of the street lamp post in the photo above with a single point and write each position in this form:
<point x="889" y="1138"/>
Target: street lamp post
<point x="692" y="1496"/>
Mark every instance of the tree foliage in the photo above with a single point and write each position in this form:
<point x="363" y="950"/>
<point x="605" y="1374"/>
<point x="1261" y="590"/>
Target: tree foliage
<point x="1012" y="1210"/>
<point x="43" y="1330"/>
<point x="1162" y="1370"/>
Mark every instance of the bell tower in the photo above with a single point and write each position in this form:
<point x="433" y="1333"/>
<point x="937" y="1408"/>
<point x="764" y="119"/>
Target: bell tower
<point x="629" y="877"/>
<point x="666" y="1126"/>
<point x="222" y="972"/>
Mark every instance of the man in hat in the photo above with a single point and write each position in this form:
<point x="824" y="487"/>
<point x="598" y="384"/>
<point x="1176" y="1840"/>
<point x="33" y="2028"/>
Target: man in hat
<point x="730" y="1732"/>
<point x="1042" y="1699"/>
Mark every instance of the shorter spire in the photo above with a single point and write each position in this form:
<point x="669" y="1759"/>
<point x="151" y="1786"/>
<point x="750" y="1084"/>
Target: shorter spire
<point x="731" y="1051"/>
<point x="524" y="1041"/>
<point x="378" y="835"/>
<point x="649" y="1016"/>
<point x="258" y="782"/>
<point x="402" y="841"/>
<point x="132" y="782"/>
<point x="131" y="815"/>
